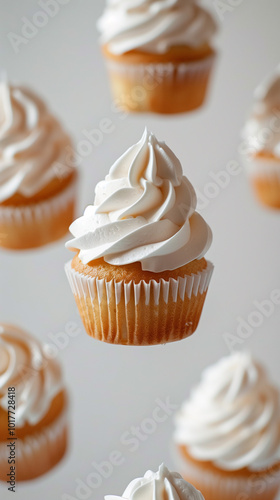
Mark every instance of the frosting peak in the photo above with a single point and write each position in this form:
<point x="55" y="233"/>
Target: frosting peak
<point x="160" y="485"/>
<point x="232" y="417"/>
<point x="144" y="212"/>
<point x="23" y="365"/>
<point x="154" y="26"/>
<point x="31" y="143"/>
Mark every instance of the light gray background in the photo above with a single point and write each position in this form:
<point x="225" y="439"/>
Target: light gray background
<point x="113" y="388"/>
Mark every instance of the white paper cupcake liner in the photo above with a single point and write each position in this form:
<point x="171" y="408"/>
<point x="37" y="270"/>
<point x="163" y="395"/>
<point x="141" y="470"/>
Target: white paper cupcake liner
<point x="38" y="224"/>
<point x="159" y="72"/>
<point x="166" y="88"/>
<point x="126" y="313"/>
<point x="194" y="284"/>
<point x="37" y="212"/>
<point x="221" y="486"/>
<point x="38" y="447"/>
<point x="262" y="168"/>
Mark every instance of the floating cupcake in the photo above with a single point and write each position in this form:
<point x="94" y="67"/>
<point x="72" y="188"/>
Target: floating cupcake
<point x="159" y="54"/>
<point x="261" y="147"/>
<point x="37" y="184"/>
<point x="159" y="485"/>
<point x="228" y="432"/>
<point x="139" y="276"/>
<point x="33" y="407"/>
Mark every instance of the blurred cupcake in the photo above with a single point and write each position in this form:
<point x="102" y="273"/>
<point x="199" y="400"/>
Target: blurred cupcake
<point x="228" y="432"/>
<point x="139" y="276"/>
<point x="159" y="54"/>
<point x="262" y="142"/>
<point x="159" y="485"/>
<point x="37" y="186"/>
<point x="40" y="411"/>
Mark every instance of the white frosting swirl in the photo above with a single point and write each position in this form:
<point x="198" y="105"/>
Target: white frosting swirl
<point x="262" y="130"/>
<point x="37" y="379"/>
<point x="154" y="26"/>
<point x="160" y="485"/>
<point x="144" y="212"/>
<point x="32" y="143"/>
<point x="232" y="418"/>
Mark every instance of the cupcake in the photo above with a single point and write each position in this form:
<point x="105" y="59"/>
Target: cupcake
<point x="37" y="185"/>
<point x="139" y="276"/>
<point x="261" y="147"/>
<point x="159" y="54"/>
<point x="33" y="407"/>
<point x="160" y="485"/>
<point x="228" y="432"/>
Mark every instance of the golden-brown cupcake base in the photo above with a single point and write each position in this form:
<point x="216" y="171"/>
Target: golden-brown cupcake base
<point x="267" y="190"/>
<point x="218" y="484"/>
<point x="264" y="175"/>
<point x="24" y="226"/>
<point x="39" y="448"/>
<point x="175" y="82"/>
<point x="139" y="307"/>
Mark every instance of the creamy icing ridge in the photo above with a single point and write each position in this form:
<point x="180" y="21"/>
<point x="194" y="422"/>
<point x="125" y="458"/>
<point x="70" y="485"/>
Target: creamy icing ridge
<point x="144" y="211"/>
<point x="262" y="130"/>
<point x="232" y="417"/>
<point x="160" y="485"/>
<point x="37" y="379"/>
<point x="32" y="143"/>
<point x="154" y="26"/>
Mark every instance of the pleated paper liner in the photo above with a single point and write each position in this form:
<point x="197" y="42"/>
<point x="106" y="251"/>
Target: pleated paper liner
<point x="37" y="453"/>
<point x="31" y="226"/>
<point x="218" y="484"/>
<point x="142" y="313"/>
<point x="160" y="87"/>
